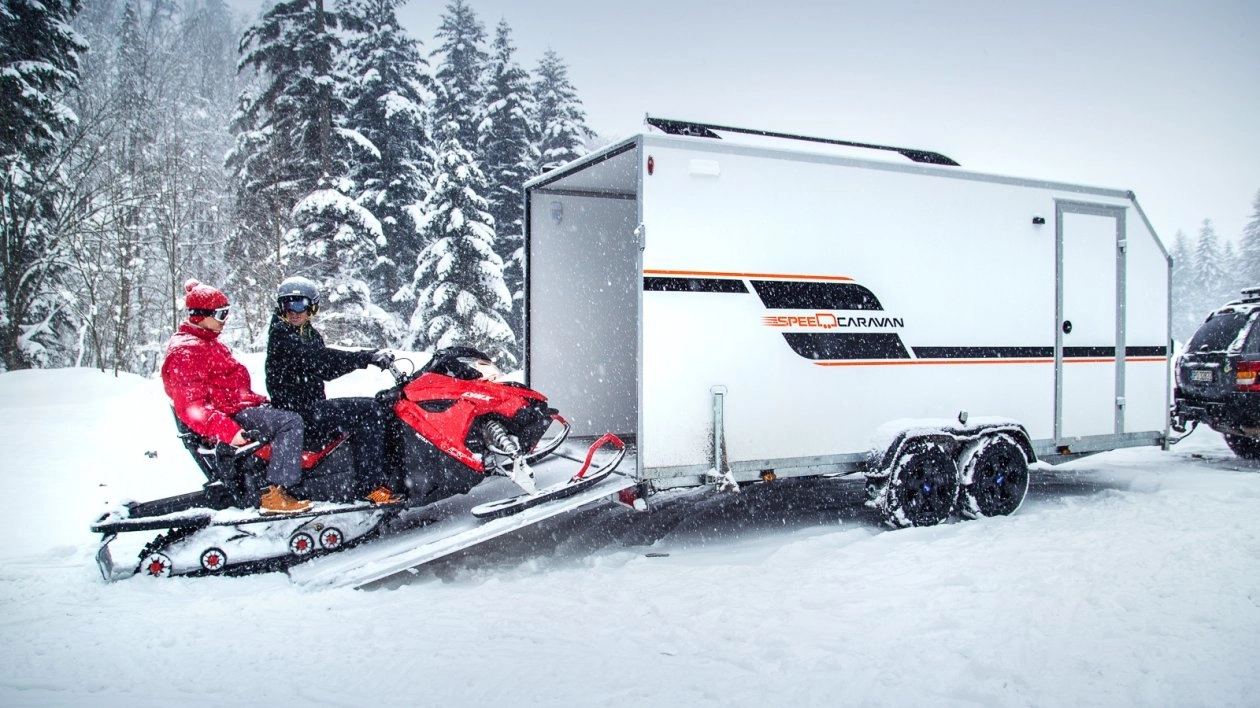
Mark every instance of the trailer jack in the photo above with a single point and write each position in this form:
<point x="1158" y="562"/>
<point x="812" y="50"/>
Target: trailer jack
<point x="720" y="475"/>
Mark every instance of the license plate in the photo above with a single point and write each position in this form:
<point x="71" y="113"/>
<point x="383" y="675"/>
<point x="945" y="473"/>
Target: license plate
<point x="1202" y="376"/>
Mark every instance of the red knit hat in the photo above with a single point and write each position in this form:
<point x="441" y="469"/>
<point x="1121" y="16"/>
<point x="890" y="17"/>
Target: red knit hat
<point x="202" y="297"/>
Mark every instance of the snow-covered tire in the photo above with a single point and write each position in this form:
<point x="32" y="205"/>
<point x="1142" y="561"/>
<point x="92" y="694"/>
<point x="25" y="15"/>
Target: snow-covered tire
<point x="301" y="544"/>
<point x="1245" y="447"/>
<point x="922" y="486"/>
<point x="213" y="560"/>
<point x="156" y="565"/>
<point x="994" y="477"/>
<point x="331" y="538"/>
<point x="154" y="561"/>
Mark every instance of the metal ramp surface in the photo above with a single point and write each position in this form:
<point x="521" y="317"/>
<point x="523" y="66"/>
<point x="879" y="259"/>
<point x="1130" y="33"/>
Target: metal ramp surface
<point x="448" y="526"/>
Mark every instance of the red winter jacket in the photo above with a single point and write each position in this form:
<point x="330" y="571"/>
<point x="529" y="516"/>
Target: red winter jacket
<point x="207" y="385"/>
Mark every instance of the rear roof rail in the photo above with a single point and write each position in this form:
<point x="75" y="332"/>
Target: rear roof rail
<point x="705" y="130"/>
<point x="1251" y="294"/>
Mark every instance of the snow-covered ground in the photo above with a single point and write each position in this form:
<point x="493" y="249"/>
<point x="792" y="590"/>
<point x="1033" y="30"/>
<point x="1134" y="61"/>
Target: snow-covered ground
<point x="1129" y="578"/>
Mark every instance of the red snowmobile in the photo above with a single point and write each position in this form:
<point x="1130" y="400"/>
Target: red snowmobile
<point x="449" y="426"/>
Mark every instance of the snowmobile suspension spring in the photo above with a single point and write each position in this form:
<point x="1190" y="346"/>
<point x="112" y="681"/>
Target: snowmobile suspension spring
<point x="499" y="439"/>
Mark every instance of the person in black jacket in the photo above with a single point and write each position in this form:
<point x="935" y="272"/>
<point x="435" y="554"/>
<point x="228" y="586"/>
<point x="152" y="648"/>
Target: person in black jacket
<point x="298" y="363"/>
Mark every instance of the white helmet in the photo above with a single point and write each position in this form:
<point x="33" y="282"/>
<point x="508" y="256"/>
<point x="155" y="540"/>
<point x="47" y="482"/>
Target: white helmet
<point x="297" y="294"/>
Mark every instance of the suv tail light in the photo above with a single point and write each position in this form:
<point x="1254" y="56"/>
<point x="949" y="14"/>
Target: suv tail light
<point x="1248" y="376"/>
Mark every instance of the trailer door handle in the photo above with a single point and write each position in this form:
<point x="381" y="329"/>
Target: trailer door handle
<point x="1067" y="326"/>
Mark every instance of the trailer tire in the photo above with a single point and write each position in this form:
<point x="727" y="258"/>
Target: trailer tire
<point x="922" y="486"/>
<point x="994" y="477"/>
<point x="1243" y="446"/>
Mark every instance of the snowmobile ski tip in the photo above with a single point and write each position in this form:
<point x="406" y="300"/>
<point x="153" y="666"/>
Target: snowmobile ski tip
<point x="585" y="477"/>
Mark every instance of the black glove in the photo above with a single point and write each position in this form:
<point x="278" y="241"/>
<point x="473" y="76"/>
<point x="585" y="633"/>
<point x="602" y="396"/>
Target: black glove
<point x="381" y="358"/>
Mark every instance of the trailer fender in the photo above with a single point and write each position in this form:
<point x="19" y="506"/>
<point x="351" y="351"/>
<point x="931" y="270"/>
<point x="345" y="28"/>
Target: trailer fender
<point x="952" y="438"/>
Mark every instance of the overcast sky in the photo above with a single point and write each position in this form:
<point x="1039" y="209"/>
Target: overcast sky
<point x="1158" y="96"/>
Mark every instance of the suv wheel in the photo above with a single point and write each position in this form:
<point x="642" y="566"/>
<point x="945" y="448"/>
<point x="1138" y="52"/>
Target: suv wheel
<point x="1244" y="447"/>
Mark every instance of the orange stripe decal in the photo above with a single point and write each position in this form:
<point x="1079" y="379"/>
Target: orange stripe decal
<point x="719" y="274"/>
<point x="972" y="362"/>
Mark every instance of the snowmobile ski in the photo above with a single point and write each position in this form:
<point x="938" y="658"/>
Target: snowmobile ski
<point x="583" y="479"/>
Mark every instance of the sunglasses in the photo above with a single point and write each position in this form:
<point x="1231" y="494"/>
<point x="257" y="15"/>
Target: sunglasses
<point x="298" y="305"/>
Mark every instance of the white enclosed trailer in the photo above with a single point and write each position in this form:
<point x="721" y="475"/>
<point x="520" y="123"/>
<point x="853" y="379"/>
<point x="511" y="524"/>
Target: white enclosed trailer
<point x="771" y="307"/>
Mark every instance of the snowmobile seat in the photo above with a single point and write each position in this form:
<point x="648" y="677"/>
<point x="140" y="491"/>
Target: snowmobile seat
<point x="233" y="476"/>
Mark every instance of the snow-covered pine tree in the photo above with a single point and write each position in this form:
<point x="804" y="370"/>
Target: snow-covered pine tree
<point x="506" y="156"/>
<point x="39" y="63"/>
<point x="147" y="208"/>
<point x="120" y="255"/>
<point x="1211" y="286"/>
<point x="1232" y="279"/>
<point x="558" y="116"/>
<point x="459" y="78"/>
<point x="1186" y="316"/>
<point x="386" y="99"/>
<point x="459" y="291"/>
<point x="195" y="220"/>
<point x="291" y="164"/>
<point x="1249" y="247"/>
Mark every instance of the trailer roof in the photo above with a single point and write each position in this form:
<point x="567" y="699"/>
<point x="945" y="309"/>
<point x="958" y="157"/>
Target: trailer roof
<point x="614" y="169"/>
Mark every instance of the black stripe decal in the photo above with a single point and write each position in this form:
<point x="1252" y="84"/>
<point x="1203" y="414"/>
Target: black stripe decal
<point x="1091" y="352"/>
<point x="824" y="347"/>
<point x="983" y="352"/>
<point x="797" y="295"/>
<point x="694" y="285"/>
<point x="1031" y="352"/>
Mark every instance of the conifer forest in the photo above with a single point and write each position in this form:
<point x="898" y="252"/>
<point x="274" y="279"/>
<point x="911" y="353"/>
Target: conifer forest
<point x="147" y="142"/>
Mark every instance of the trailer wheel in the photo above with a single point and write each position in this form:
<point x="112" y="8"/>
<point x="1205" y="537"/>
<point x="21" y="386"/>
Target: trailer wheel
<point x="922" y="486"/>
<point x="994" y="478"/>
<point x="1245" y="447"/>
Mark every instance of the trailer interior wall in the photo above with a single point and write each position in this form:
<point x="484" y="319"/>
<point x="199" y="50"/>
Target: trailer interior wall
<point x="583" y="288"/>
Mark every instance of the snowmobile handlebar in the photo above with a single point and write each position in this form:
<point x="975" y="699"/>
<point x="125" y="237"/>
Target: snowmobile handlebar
<point x="400" y="376"/>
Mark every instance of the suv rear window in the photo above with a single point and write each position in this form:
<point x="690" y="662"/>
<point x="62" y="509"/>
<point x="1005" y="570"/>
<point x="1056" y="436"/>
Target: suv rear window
<point x="1218" y="333"/>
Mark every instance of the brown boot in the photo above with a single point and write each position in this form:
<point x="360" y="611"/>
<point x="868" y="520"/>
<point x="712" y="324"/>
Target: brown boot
<point x="383" y="495"/>
<point x="277" y="501"/>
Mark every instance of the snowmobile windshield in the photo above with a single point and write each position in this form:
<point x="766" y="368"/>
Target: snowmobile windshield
<point x="486" y="368"/>
<point x="1219" y="332"/>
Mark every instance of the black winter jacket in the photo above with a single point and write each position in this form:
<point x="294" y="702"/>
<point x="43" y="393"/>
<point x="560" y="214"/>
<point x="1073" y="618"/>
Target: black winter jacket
<point x="298" y="364"/>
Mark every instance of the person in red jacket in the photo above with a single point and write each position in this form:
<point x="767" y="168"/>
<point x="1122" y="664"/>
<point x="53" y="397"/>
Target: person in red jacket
<point x="211" y="393"/>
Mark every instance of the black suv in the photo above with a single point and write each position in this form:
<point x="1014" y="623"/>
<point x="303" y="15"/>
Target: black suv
<point x="1218" y="376"/>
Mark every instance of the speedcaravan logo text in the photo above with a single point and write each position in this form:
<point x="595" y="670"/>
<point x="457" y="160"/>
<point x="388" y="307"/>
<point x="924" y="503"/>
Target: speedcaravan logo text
<point x="828" y="320"/>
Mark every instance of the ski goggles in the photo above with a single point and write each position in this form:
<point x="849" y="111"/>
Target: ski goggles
<point x="296" y="304"/>
<point x="220" y="314"/>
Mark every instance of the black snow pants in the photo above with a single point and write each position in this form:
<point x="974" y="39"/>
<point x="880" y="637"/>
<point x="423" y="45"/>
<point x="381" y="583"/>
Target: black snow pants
<point x="363" y="419"/>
